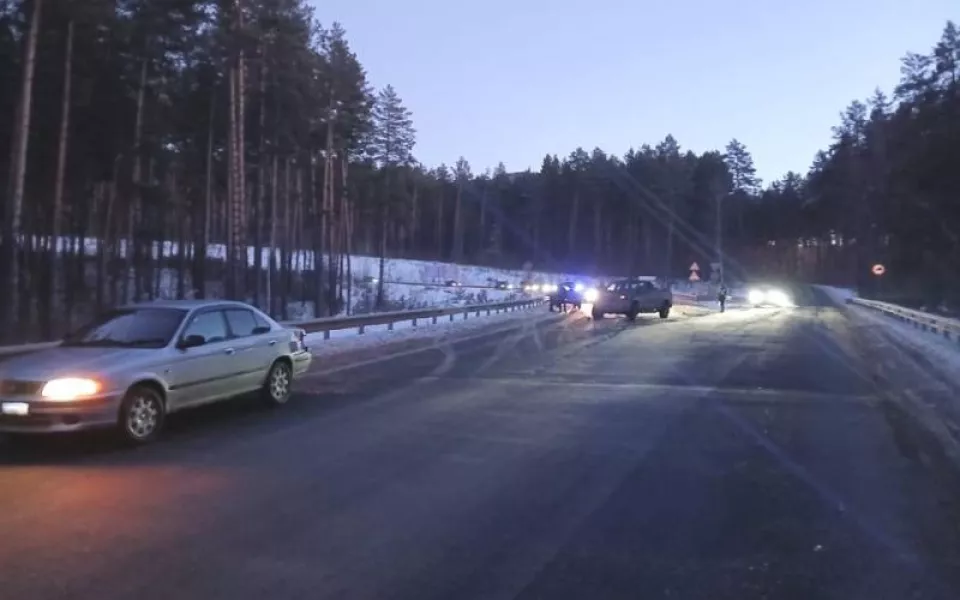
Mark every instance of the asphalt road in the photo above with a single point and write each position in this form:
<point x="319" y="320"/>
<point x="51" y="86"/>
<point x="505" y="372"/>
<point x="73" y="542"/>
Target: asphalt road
<point x="751" y="454"/>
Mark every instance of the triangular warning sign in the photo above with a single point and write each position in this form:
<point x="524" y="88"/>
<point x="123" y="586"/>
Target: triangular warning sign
<point x="694" y="267"/>
<point x="694" y="276"/>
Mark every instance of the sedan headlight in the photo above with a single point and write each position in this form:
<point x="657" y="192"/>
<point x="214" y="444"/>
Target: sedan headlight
<point x="70" y="388"/>
<point x="549" y="288"/>
<point x="756" y="296"/>
<point x="778" y="297"/>
<point x="578" y="287"/>
<point x="591" y="295"/>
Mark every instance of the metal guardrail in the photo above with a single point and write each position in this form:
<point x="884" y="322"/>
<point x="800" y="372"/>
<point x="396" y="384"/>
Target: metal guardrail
<point x="945" y="326"/>
<point x="360" y="322"/>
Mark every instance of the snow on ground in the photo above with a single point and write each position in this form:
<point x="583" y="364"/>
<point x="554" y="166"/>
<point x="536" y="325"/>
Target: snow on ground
<point x="935" y="347"/>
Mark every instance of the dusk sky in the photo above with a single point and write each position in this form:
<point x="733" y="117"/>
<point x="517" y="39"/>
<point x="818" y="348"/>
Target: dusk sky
<point x="513" y="80"/>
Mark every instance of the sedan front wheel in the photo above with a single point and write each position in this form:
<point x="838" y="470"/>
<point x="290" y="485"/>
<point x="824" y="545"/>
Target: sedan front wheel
<point x="141" y="415"/>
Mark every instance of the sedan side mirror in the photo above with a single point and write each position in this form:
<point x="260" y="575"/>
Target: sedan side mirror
<point x="261" y="330"/>
<point x="191" y="341"/>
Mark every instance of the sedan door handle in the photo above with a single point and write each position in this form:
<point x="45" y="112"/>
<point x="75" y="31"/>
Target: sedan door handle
<point x="229" y="351"/>
<point x="273" y="342"/>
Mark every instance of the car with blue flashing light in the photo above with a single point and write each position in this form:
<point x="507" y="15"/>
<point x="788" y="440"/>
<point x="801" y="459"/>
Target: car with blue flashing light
<point x="132" y="366"/>
<point x="567" y="293"/>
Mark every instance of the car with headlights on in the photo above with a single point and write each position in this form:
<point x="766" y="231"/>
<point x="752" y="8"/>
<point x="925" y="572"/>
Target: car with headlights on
<point x="629" y="297"/>
<point x="132" y="366"/>
<point x="768" y="296"/>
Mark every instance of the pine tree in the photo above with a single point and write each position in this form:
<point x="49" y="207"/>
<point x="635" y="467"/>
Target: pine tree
<point x="392" y="145"/>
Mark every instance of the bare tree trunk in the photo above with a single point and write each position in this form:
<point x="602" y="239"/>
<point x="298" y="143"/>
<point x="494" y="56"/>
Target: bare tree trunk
<point x="230" y="256"/>
<point x="103" y="235"/>
<point x="298" y="245"/>
<point x="572" y="231"/>
<point x="271" y="264"/>
<point x="131" y="244"/>
<point x="597" y="232"/>
<point x="18" y="169"/>
<point x="113" y="234"/>
<point x="261" y="183"/>
<point x="347" y="212"/>
<point x="457" y="254"/>
<point x="671" y="226"/>
<point x="237" y="198"/>
<point x="383" y="258"/>
<point x="154" y="231"/>
<point x="285" y="245"/>
<point x="382" y="244"/>
<point x="440" y="254"/>
<point x="483" y="216"/>
<point x="241" y="205"/>
<point x="57" y="216"/>
<point x="183" y="227"/>
<point x="415" y="215"/>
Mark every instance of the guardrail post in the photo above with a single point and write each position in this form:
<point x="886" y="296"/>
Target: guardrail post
<point x="361" y="330"/>
<point x="414" y="322"/>
<point x="488" y="312"/>
<point x="326" y="334"/>
<point x="451" y="317"/>
<point x="478" y="312"/>
<point x="434" y="319"/>
<point x="390" y="326"/>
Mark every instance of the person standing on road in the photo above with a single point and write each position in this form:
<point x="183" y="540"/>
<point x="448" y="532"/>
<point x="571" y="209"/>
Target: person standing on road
<point x="722" y="298"/>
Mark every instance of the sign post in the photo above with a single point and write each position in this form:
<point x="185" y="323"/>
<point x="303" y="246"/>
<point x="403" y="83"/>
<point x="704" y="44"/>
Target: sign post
<point x="878" y="270"/>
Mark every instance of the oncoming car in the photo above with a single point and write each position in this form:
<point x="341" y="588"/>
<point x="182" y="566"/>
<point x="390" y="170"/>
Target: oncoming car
<point x="134" y="365"/>
<point x="767" y="295"/>
<point x="630" y="297"/>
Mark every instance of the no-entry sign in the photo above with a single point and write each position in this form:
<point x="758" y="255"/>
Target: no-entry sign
<point x="878" y="269"/>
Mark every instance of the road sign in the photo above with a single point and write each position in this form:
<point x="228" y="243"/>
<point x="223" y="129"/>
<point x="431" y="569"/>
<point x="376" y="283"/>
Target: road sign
<point x="694" y="267"/>
<point x="694" y="276"/>
<point x="878" y="269"/>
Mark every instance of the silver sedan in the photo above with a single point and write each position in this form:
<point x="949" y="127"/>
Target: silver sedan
<point x="136" y="364"/>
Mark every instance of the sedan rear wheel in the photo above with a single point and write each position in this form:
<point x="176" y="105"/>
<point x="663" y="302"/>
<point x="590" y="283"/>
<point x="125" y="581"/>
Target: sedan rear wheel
<point x="276" y="388"/>
<point x="141" y="415"/>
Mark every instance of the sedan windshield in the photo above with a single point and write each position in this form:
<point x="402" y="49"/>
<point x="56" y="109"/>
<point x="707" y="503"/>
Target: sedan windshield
<point x="130" y="327"/>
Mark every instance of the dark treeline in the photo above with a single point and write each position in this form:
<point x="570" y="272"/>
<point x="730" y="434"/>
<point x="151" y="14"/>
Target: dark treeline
<point x="140" y="131"/>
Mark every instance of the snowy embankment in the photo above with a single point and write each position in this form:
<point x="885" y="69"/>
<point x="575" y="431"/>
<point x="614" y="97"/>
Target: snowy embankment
<point x="407" y="283"/>
<point x="935" y="338"/>
<point x="916" y="361"/>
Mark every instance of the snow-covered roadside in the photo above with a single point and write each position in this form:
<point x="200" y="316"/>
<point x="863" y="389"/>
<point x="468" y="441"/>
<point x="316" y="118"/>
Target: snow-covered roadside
<point x="916" y="371"/>
<point x="936" y="349"/>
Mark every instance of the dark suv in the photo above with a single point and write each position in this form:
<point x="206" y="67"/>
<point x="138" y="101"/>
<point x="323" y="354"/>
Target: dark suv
<point x="568" y="293"/>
